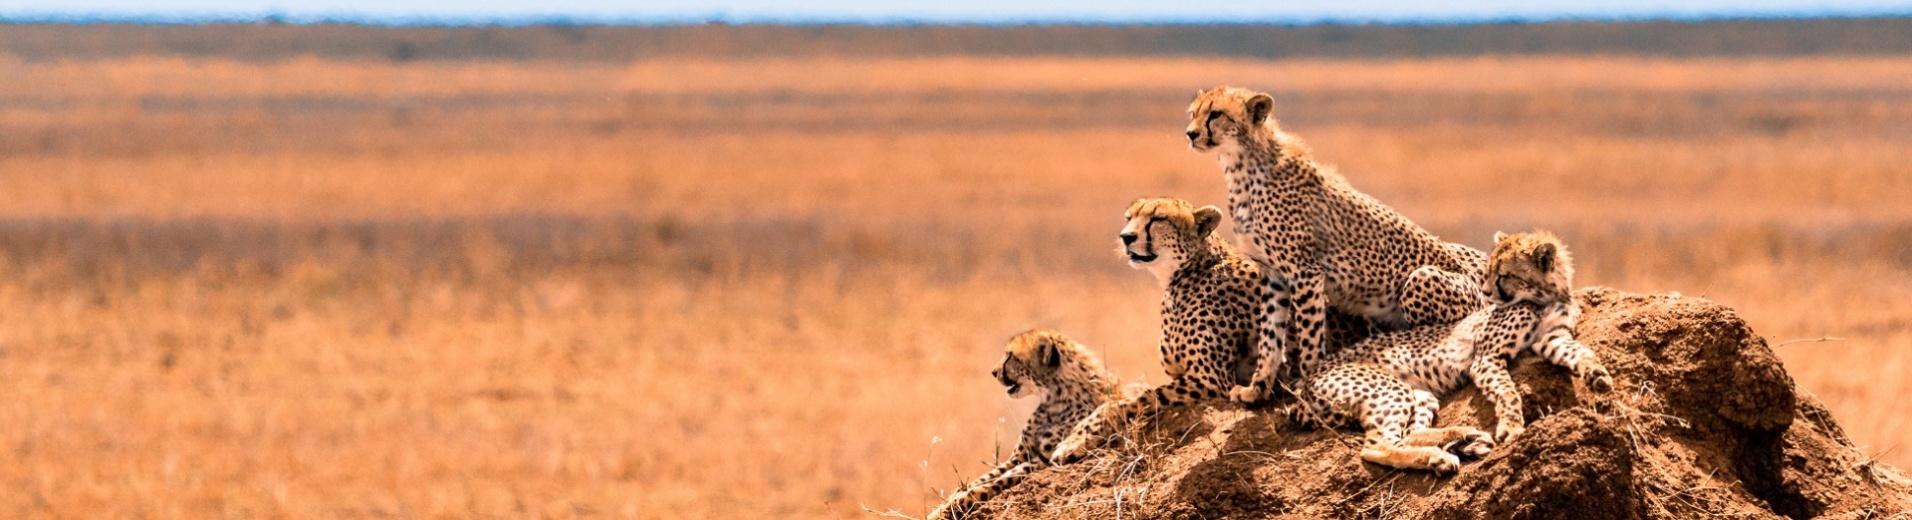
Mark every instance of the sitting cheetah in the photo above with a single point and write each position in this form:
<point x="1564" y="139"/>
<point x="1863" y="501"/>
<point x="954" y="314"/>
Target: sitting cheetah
<point x="1209" y="301"/>
<point x="1072" y="382"/>
<point x="1322" y="244"/>
<point x="1531" y="276"/>
<point x="1211" y="295"/>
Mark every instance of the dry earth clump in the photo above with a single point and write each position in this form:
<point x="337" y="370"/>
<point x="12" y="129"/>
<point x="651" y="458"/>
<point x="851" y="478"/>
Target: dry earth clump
<point x="1704" y="423"/>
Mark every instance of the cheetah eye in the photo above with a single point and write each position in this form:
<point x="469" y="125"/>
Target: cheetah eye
<point x="1212" y="114"/>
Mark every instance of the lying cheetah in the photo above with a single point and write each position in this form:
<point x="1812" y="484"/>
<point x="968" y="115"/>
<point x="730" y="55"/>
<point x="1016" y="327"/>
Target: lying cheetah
<point x="1072" y="382"/>
<point x="1210" y="300"/>
<point x="1396" y="417"/>
<point x="1532" y="275"/>
<point x="1323" y="244"/>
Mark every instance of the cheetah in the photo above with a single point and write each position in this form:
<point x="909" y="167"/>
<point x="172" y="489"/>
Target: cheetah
<point x="1072" y="382"/>
<point x="1210" y="303"/>
<point x="1530" y="276"/>
<point x="1322" y="244"/>
<point x="1209" y="300"/>
<point x="1396" y="417"/>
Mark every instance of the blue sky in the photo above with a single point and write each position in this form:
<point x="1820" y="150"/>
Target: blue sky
<point x="986" y="11"/>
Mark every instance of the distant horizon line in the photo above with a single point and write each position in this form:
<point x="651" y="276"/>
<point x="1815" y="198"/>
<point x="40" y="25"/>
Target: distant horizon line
<point x="276" y="18"/>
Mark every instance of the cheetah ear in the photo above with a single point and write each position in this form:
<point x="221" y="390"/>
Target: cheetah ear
<point x="1544" y="257"/>
<point x="1259" y="107"/>
<point x="1499" y="236"/>
<point x="1046" y="353"/>
<point x="1207" y="218"/>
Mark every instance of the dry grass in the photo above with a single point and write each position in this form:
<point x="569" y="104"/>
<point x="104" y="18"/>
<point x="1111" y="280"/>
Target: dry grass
<point x="691" y="289"/>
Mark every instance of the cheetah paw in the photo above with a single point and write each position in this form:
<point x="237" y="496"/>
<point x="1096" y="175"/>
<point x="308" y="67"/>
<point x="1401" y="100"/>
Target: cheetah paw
<point x="1245" y="395"/>
<point x="1070" y="450"/>
<point x="1443" y="463"/>
<point x="1600" y="382"/>
<point x="1475" y="445"/>
<point x="1507" y="430"/>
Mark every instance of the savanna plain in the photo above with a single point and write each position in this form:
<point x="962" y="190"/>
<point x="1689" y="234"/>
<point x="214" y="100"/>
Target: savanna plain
<point x="774" y="287"/>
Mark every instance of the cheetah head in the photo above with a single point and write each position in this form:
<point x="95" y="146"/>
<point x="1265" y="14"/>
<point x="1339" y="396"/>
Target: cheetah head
<point x="1529" y="266"/>
<point x="1041" y="360"/>
<point x="1223" y="117"/>
<point x="1162" y="233"/>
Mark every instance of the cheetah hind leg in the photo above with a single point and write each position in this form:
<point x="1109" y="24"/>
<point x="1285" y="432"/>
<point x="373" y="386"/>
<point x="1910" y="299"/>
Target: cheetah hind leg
<point x="1385" y="425"/>
<point x="1460" y="440"/>
<point x="1395" y="455"/>
<point x="1431" y="295"/>
<point x="1466" y="441"/>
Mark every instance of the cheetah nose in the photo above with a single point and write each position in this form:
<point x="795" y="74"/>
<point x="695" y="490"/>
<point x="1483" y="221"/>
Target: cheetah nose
<point x="1128" y="238"/>
<point x="1193" y="135"/>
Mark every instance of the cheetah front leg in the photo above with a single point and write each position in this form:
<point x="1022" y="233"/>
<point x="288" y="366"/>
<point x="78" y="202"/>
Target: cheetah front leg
<point x="1431" y="295"/>
<point x="1490" y="375"/>
<point x="1556" y="343"/>
<point x="1293" y="320"/>
<point x="1094" y="430"/>
<point x="1585" y="364"/>
<point x="1277" y="302"/>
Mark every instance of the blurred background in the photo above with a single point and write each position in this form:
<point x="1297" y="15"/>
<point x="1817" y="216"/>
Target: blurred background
<point x="752" y="260"/>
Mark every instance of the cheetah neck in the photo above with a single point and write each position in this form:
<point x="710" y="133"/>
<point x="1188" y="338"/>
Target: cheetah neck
<point x="1277" y="160"/>
<point x="1081" y="383"/>
<point x="1067" y="393"/>
<point x="1164" y="275"/>
<point x="1196" y="259"/>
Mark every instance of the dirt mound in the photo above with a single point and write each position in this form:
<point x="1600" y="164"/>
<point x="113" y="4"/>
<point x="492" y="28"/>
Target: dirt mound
<point x="1705" y="422"/>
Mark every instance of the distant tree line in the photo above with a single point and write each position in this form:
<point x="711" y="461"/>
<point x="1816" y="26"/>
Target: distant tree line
<point x="271" y="40"/>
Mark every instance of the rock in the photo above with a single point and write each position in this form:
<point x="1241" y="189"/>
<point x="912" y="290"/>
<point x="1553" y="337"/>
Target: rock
<point x="1703" y="422"/>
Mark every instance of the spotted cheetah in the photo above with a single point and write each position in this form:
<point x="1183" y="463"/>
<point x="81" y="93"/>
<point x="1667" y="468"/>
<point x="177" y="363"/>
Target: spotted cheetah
<point x="1072" y="382"/>
<point x="1323" y="244"/>
<point x="1210" y="296"/>
<point x="1210" y="301"/>
<point x="1396" y="417"/>
<point x="1531" y="275"/>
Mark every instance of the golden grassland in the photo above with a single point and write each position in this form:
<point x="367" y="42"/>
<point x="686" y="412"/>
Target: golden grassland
<point x="774" y="288"/>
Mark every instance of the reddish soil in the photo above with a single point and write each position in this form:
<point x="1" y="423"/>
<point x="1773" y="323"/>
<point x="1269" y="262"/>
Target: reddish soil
<point x="1704" y="422"/>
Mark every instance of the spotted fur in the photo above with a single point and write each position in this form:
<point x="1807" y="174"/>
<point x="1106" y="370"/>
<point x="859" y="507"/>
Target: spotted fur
<point x="1072" y="382"/>
<point x="1396" y="418"/>
<point x="1439" y="359"/>
<point x="1323" y="244"/>
<point x="1210" y="298"/>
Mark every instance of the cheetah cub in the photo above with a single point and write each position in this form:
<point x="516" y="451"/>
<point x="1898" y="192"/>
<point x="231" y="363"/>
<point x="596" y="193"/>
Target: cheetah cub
<point x="1209" y="303"/>
<point x="1396" y="418"/>
<point x="1072" y="383"/>
<point x="1322" y="244"/>
<point x="1529" y="277"/>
